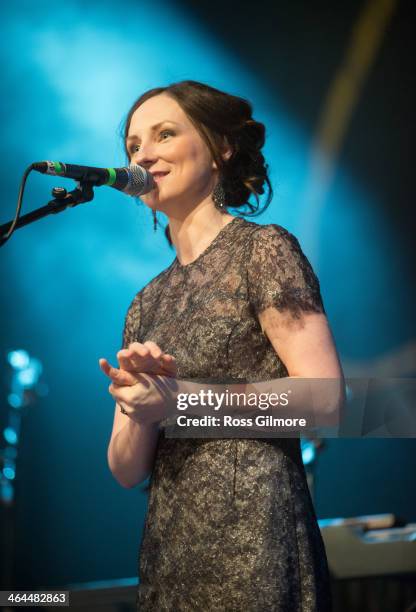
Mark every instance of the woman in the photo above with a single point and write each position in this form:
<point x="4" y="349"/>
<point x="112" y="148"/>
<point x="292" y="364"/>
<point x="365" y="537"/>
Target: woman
<point x="230" y="523"/>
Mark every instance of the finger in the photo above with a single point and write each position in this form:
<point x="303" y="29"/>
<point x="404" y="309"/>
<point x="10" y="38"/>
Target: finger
<point x="123" y="378"/>
<point x="126" y="361"/>
<point x="162" y="362"/>
<point x="142" y="362"/>
<point x="169" y="361"/>
<point x="105" y="366"/>
<point x="159" y="366"/>
<point x="168" y="358"/>
<point x="136" y="357"/>
<point x="149" y="348"/>
<point x="140" y="349"/>
<point x="169" y="369"/>
<point x="155" y="350"/>
<point x="147" y="357"/>
<point x="120" y="377"/>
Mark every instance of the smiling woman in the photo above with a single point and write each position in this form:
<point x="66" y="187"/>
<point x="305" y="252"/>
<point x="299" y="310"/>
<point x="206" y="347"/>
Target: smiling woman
<point x="214" y="134"/>
<point x="230" y="523"/>
<point x="179" y="154"/>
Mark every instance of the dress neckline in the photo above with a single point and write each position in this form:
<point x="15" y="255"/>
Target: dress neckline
<point x="209" y="247"/>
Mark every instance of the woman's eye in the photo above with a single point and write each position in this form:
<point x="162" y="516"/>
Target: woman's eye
<point x="164" y="132"/>
<point x="136" y="147"/>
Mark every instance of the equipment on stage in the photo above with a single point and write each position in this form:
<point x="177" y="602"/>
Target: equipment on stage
<point x="374" y="545"/>
<point x="372" y="561"/>
<point x="133" y="180"/>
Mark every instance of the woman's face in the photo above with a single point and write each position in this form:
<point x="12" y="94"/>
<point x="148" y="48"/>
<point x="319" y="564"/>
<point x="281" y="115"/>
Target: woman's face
<point x="162" y="139"/>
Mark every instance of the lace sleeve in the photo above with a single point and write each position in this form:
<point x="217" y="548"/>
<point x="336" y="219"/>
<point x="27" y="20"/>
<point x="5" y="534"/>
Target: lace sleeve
<point x="131" y="331"/>
<point x="280" y="275"/>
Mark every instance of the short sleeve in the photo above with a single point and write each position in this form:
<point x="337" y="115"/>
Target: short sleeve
<point x="280" y="275"/>
<point x="131" y="331"/>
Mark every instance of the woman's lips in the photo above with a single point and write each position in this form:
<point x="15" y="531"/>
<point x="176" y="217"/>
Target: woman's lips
<point x="159" y="176"/>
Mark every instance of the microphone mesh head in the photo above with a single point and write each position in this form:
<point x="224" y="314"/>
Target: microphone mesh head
<point x="140" y="181"/>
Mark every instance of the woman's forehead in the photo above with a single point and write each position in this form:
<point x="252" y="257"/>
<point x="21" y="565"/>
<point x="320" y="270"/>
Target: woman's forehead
<point x="155" y="110"/>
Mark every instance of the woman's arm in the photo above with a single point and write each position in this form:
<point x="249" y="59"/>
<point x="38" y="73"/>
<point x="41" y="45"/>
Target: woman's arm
<point x="132" y="448"/>
<point x="306" y="346"/>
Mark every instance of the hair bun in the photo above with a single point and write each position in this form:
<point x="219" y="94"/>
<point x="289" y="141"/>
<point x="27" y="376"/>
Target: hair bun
<point x="256" y="131"/>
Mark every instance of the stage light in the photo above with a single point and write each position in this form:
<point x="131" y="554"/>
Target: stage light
<point x="18" y="359"/>
<point x="10" y="435"/>
<point x="308" y="452"/>
<point x="9" y="472"/>
<point x="15" y="400"/>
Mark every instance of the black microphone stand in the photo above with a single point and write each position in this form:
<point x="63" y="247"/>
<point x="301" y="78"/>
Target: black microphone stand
<point x="62" y="199"/>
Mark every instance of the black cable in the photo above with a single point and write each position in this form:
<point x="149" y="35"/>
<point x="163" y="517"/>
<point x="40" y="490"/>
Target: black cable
<point x="11" y="229"/>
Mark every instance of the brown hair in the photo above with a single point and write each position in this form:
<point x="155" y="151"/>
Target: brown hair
<point x="222" y="118"/>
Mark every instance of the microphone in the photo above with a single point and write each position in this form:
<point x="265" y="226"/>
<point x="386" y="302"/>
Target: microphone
<point x="133" y="180"/>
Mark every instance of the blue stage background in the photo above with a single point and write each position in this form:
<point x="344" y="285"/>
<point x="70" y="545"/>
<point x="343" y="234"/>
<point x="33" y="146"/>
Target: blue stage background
<point x="70" y="73"/>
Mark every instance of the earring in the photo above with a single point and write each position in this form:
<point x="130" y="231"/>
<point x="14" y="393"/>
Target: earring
<point x="154" y="221"/>
<point x="218" y="195"/>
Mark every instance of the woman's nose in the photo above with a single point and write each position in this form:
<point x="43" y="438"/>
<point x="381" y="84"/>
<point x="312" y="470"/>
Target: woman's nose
<point x="145" y="156"/>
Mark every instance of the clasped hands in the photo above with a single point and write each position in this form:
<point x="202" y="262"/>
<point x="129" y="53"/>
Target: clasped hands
<point x="144" y="383"/>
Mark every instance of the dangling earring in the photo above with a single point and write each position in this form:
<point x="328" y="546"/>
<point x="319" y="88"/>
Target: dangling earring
<point x="218" y="196"/>
<point x="154" y="221"/>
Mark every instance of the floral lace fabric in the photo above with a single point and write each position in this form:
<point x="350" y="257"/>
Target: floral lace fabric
<point x="230" y="523"/>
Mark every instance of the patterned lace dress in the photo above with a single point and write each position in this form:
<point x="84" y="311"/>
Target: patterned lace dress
<point x="230" y="524"/>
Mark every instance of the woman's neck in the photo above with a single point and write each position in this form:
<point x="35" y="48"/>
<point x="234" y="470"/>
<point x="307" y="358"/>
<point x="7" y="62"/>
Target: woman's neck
<point x="192" y="234"/>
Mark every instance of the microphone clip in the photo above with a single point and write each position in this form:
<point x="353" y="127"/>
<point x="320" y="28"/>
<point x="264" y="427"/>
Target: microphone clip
<point x="83" y="192"/>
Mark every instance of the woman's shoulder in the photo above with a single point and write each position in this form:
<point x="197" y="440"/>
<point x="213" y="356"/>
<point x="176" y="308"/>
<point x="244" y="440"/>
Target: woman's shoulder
<point x="263" y="234"/>
<point x="279" y="273"/>
<point x="274" y="246"/>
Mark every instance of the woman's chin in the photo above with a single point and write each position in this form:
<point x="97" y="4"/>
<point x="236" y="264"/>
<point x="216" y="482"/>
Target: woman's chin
<point x="154" y="204"/>
<point x="156" y="201"/>
<point x="150" y="199"/>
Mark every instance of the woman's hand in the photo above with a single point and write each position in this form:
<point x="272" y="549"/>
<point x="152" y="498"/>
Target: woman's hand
<point x="144" y="382"/>
<point x="137" y="359"/>
<point x="149" y="400"/>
